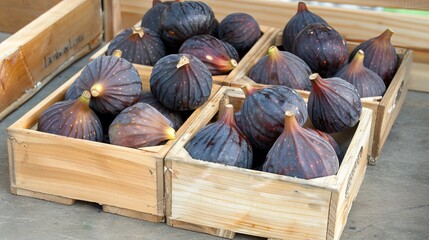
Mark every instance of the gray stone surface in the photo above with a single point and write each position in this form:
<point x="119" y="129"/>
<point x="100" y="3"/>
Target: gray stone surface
<point x="393" y="202"/>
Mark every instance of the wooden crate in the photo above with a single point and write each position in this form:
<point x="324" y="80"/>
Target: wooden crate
<point x="124" y="181"/>
<point x="224" y="200"/>
<point x="31" y="57"/>
<point x="355" y="25"/>
<point x="385" y="110"/>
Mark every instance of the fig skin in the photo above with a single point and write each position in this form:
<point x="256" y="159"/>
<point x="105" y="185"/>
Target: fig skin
<point x="222" y="142"/>
<point x="183" y="20"/>
<point x="380" y="55"/>
<point x="138" y="45"/>
<point x="367" y="82"/>
<point x="140" y="125"/>
<point x="322" y="48"/>
<point x="211" y="51"/>
<point x="174" y="116"/>
<point x="152" y="18"/>
<point x="262" y="113"/>
<point x="72" y="118"/>
<point x="333" y="104"/>
<point x="240" y="30"/>
<point x="297" y="23"/>
<point x="301" y="153"/>
<point x="114" y="84"/>
<point x="281" y="68"/>
<point x="331" y="141"/>
<point x="181" y="82"/>
<point x="71" y="93"/>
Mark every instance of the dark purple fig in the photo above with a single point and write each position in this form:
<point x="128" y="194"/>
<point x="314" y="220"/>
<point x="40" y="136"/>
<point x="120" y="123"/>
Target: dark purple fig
<point x="222" y="142"/>
<point x="240" y="30"/>
<point x="183" y="20"/>
<point x="138" y="45"/>
<point x="140" y="125"/>
<point x="114" y="84"/>
<point x="181" y="82"/>
<point x="211" y="51"/>
<point x="262" y="113"/>
<point x="297" y="23"/>
<point x="71" y="93"/>
<point x="331" y="141"/>
<point x="301" y="153"/>
<point x="232" y="52"/>
<point x="367" y="82"/>
<point x="72" y="118"/>
<point x="215" y="27"/>
<point x="322" y="48"/>
<point x="281" y="68"/>
<point x="380" y="55"/>
<point x="333" y="104"/>
<point x="173" y="116"/>
<point x="152" y="18"/>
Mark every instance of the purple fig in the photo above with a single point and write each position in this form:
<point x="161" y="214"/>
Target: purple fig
<point x="367" y="82"/>
<point x="152" y="18"/>
<point x="330" y="139"/>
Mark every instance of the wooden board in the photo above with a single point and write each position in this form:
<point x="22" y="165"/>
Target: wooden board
<point x="223" y="200"/>
<point x="125" y="181"/>
<point x="31" y="57"/>
<point x="354" y="24"/>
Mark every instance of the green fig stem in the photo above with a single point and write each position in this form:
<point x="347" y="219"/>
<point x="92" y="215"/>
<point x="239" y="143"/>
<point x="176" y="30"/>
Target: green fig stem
<point x="139" y="31"/>
<point x="228" y="115"/>
<point x="170" y="133"/>
<point x="182" y="62"/>
<point x="96" y="90"/>
<point x="248" y="90"/>
<point x="117" y="53"/>
<point x="290" y="121"/>
<point x="357" y="62"/>
<point x="274" y="52"/>
<point x="85" y="97"/>
<point x="302" y="7"/>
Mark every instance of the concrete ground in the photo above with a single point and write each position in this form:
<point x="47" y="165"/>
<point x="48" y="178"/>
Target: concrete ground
<point x="393" y="202"/>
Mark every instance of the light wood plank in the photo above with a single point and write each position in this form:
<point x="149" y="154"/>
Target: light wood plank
<point x="133" y="214"/>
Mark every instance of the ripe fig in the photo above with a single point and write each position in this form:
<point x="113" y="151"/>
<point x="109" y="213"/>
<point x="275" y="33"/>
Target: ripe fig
<point x="215" y="27"/>
<point x="71" y="93"/>
<point x="301" y="153"/>
<point x="183" y="20"/>
<point x="297" y="23"/>
<point x="333" y="104"/>
<point x="114" y="84"/>
<point x="211" y="51"/>
<point x="367" y="82"/>
<point x="232" y="52"/>
<point x="380" y="55"/>
<point x="138" y="45"/>
<point x="174" y="116"/>
<point x="72" y="118"/>
<point x="322" y="48"/>
<point x="140" y="125"/>
<point x="222" y="142"/>
<point x="152" y="18"/>
<point x="262" y="113"/>
<point x="330" y="139"/>
<point x="240" y="30"/>
<point x="281" y="68"/>
<point x="181" y="82"/>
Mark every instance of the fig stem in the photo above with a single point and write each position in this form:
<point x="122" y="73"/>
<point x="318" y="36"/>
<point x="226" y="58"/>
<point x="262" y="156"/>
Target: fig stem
<point x="387" y="33"/>
<point x="302" y="7"/>
<point x="117" y="53"/>
<point x="85" y="97"/>
<point x="315" y="76"/>
<point x="170" y="133"/>
<point x="290" y="121"/>
<point x="248" y="90"/>
<point x="228" y="115"/>
<point x="234" y="63"/>
<point x="96" y="89"/>
<point x="182" y="62"/>
<point x="139" y="31"/>
<point x="273" y="52"/>
<point x="357" y="62"/>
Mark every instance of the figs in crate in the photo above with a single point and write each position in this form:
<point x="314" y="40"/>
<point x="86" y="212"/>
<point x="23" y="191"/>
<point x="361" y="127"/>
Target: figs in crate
<point x="297" y="23"/>
<point x="114" y="84"/>
<point x="380" y="55"/>
<point x="322" y="48"/>
<point x="138" y="45"/>
<point x="152" y="18"/>
<point x="72" y="118"/>
<point x="181" y="82"/>
<point x="301" y="153"/>
<point x="367" y="82"/>
<point x="333" y="104"/>
<point x="240" y="30"/>
<point x="211" y="51"/>
<point x="183" y="20"/>
<point x="281" y="68"/>
<point x="222" y="142"/>
<point x="174" y="116"/>
<point x="140" y="125"/>
<point x="262" y="113"/>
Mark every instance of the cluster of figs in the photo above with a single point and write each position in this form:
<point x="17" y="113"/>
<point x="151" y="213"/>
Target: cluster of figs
<point x="268" y="132"/>
<point x="184" y="43"/>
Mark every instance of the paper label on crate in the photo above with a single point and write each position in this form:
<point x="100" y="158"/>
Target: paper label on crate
<point x="58" y="53"/>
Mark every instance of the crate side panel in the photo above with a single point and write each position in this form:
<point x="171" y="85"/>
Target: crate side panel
<point x="247" y="204"/>
<point x="85" y="170"/>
